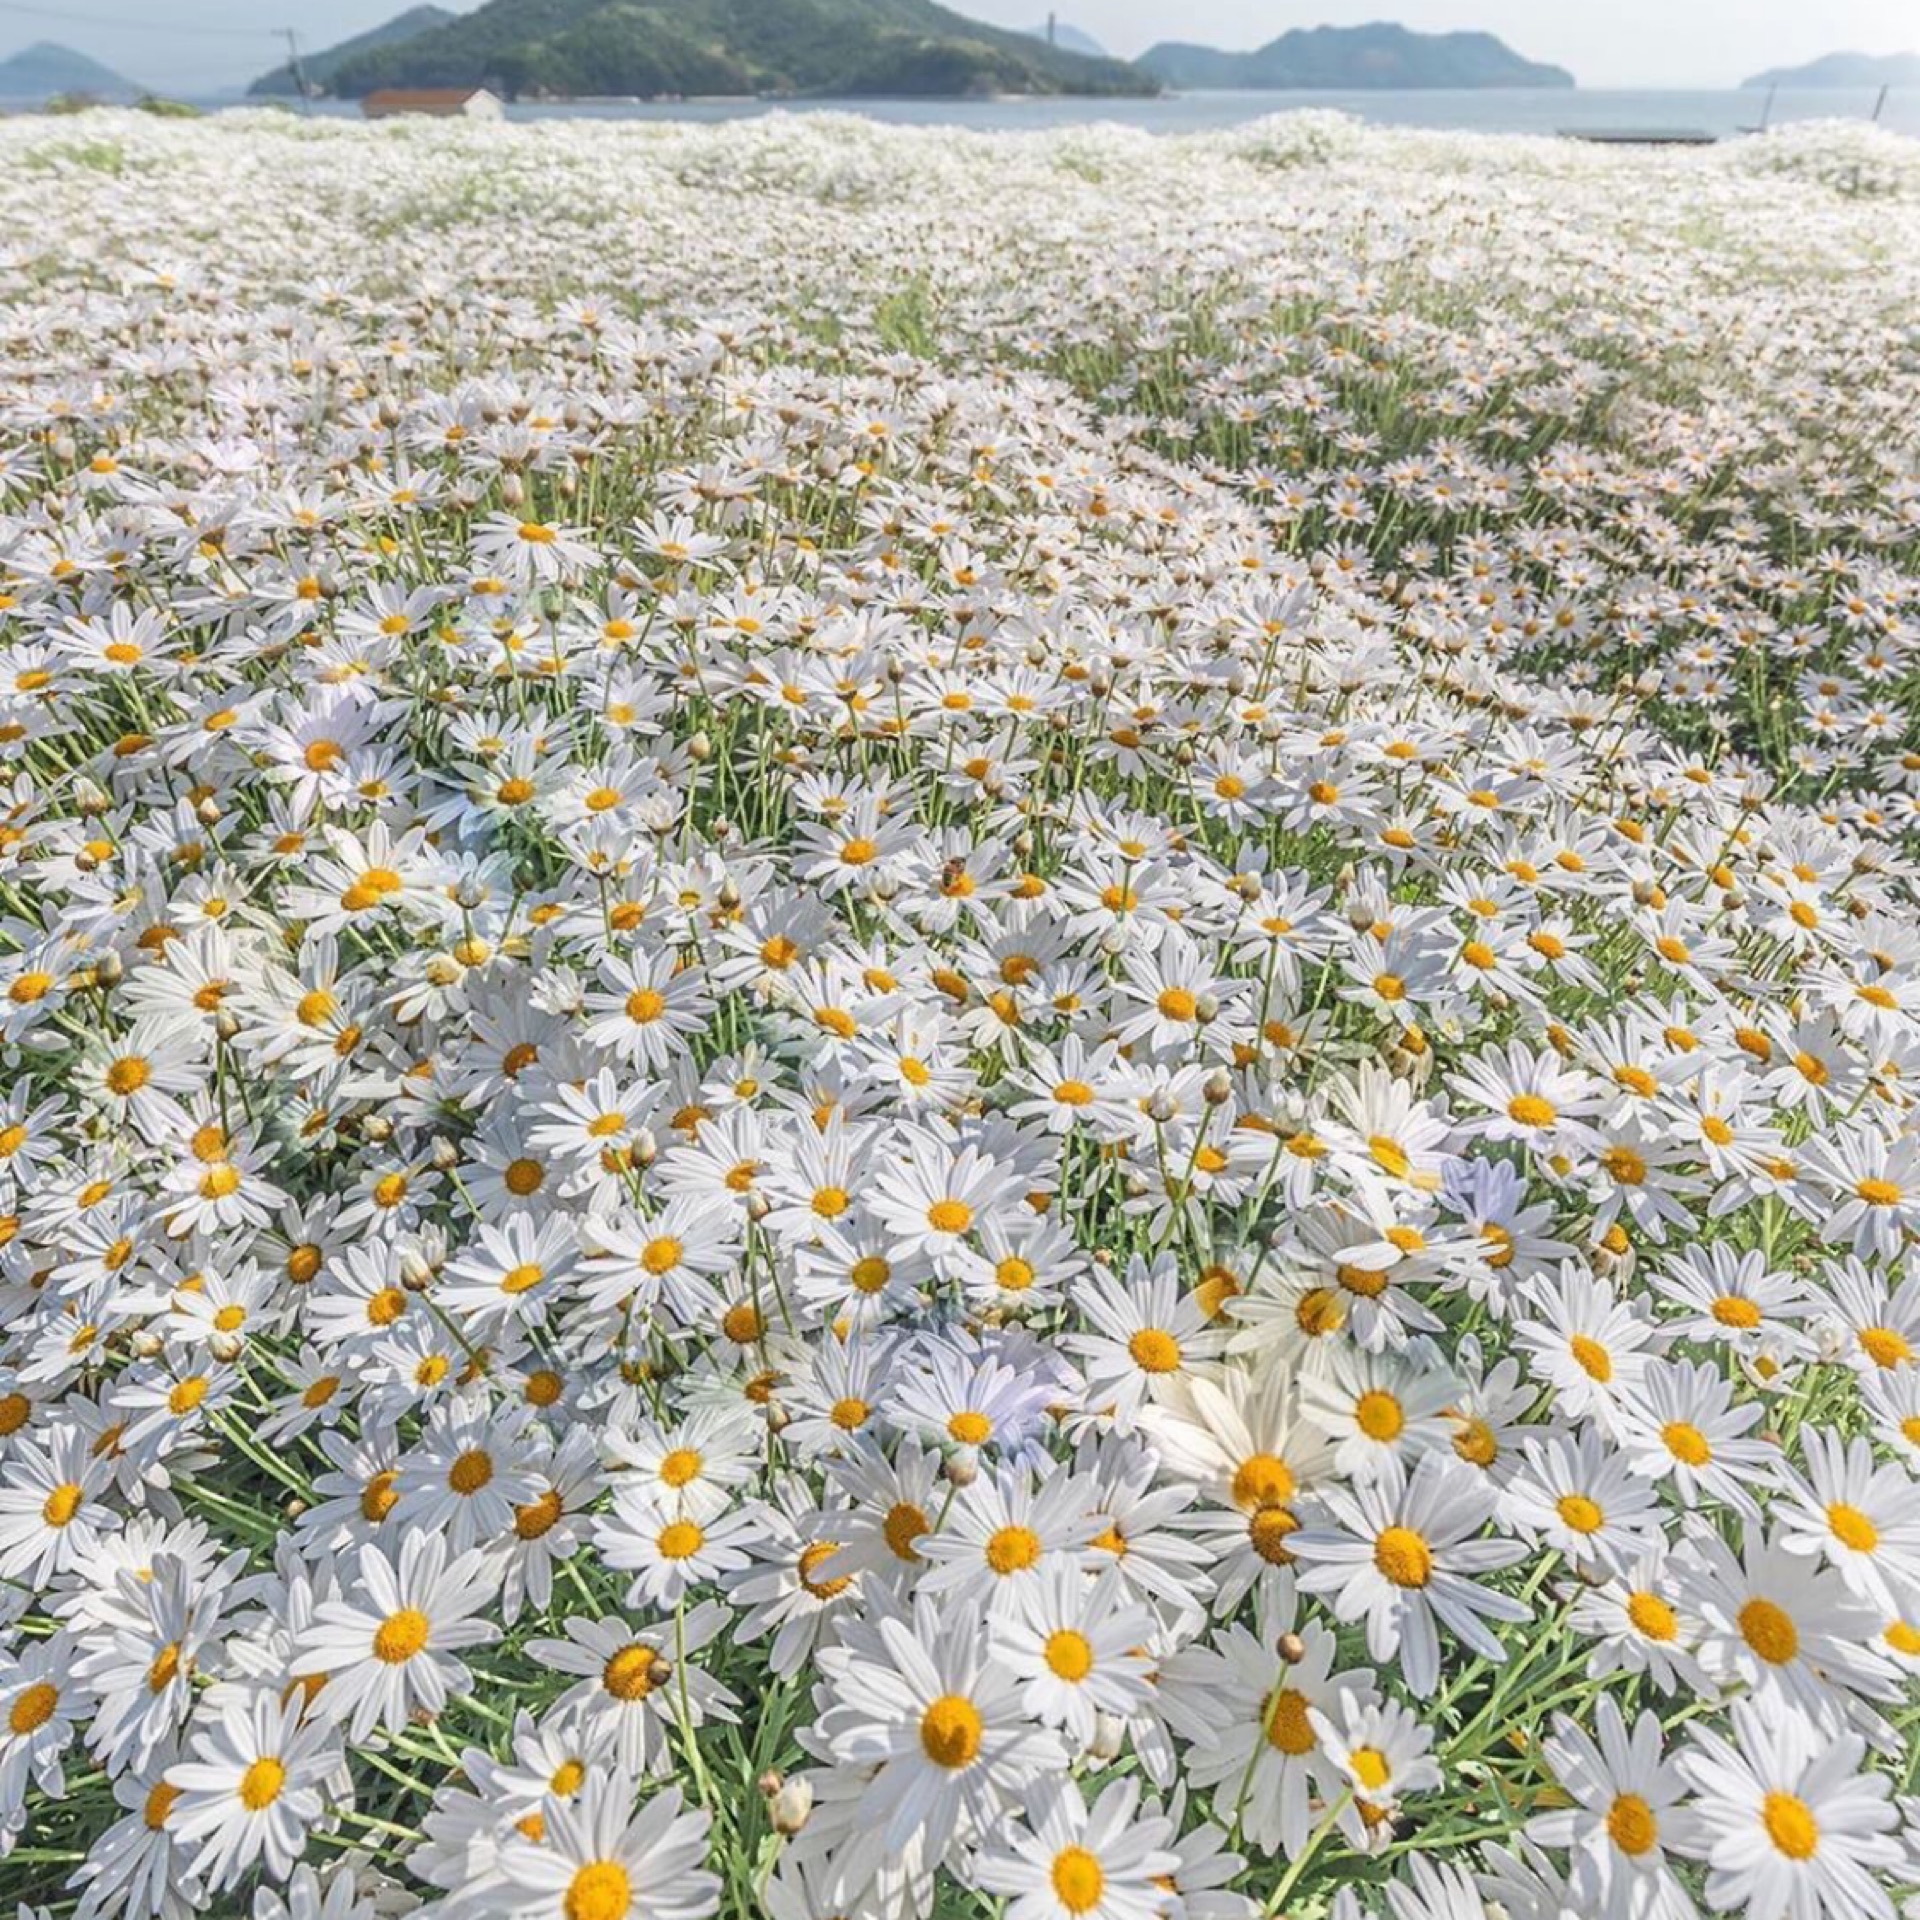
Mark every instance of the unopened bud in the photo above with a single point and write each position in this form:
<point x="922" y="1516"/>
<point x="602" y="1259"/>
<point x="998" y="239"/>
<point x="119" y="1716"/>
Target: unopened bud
<point x="376" y="1127"/>
<point x="1291" y="1648"/>
<point x="961" y="1467"/>
<point x="1217" y="1088"/>
<point x="791" y="1806"/>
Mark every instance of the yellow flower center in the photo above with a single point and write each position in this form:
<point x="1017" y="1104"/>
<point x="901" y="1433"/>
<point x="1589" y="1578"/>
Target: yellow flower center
<point x="1769" y="1630"/>
<point x="471" y="1471"/>
<point x="1403" y="1557"/>
<point x="1154" y="1351"/>
<point x="951" y="1731"/>
<point x="680" y="1541"/>
<point x="1592" y="1358"/>
<point x="33" y="1707"/>
<point x="538" y="1517"/>
<point x="1288" y="1729"/>
<point x="904" y="1524"/>
<point x="261" y="1784"/>
<point x="1790" y="1825"/>
<point x="1580" y="1513"/>
<point x="628" y="1674"/>
<point x="1078" y="1880"/>
<point x="401" y="1635"/>
<point x="1012" y="1549"/>
<point x="1378" y="1415"/>
<point x="600" y="1890"/>
<point x="1263" y="1480"/>
<point x="1631" y="1825"/>
<point x="680" y="1467"/>
<point x="1852" y="1528"/>
<point x="1069" y="1655"/>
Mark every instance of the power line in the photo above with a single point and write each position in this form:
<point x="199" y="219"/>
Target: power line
<point x="136" y="26"/>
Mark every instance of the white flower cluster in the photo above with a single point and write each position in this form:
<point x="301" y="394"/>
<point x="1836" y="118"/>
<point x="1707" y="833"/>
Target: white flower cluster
<point x="899" y="1025"/>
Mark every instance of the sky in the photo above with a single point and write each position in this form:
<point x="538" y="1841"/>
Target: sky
<point x="197" y="45"/>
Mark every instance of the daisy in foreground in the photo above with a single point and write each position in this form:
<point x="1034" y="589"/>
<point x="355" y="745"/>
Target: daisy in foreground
<point x="598" y="1856"/>
<point x="1064" y="1860"/>
<point x="1788" y="1823"/>
<point x="1400" y="1557"/>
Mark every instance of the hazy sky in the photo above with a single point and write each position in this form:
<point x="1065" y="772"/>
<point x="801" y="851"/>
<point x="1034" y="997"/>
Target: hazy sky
<point x="1618" y="43"/>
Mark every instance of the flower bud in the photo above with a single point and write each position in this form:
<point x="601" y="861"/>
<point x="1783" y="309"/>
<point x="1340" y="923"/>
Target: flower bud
<point x="791" y="1806"/>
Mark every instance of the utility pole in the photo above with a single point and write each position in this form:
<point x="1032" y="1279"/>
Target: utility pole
<point x="299" y="72"/>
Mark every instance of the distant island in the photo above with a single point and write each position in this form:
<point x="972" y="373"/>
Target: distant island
<point x="655" y="49"/>
<point x="1845" y="70"/>
<point x="46" y="71"/>
<point x="318" y="69"/>
<point x="1380" y="55"/>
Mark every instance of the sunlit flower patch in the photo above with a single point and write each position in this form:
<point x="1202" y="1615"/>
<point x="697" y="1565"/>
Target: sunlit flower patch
<point x="909" y="1025"/>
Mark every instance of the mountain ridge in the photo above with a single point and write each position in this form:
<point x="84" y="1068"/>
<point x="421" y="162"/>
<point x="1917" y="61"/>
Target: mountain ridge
<point x="1379" y="54"/>
<point x="1845" y="70"/>
<point x="652" y="48"/>
<point x="46" y="69"/>
<point x="319" y="68"/>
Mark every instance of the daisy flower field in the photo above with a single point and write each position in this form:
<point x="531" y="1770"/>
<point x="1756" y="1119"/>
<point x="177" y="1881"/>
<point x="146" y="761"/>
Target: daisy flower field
<point x="909" y="1026"/>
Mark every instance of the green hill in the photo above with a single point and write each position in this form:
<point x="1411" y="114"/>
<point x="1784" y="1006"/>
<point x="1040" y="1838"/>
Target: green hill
<point x="1380" y="55"/>
<point x="320" y="68"/>
<point x="652" y="47"/>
